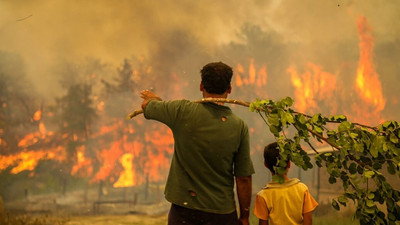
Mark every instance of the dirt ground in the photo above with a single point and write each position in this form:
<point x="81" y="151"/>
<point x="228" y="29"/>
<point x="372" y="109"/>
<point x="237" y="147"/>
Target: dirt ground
<point x="162" y="220"/>
<point x="118" y="220"/>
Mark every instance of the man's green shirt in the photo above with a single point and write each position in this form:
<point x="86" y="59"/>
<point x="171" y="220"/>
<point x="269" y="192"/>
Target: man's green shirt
<point x="211" y="147"/>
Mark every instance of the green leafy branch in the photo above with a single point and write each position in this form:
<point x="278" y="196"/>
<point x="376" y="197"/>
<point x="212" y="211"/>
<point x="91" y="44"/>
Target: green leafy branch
<point x="358" y="157"/>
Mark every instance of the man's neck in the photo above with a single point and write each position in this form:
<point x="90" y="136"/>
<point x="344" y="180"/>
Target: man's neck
<point x="209" y="95"/>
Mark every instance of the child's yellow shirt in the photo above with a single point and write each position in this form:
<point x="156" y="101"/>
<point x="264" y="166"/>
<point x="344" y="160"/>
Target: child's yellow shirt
<point x="284" y="203"/>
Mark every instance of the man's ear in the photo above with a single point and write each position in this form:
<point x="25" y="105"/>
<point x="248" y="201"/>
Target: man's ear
<point x="265" y="164"/>
<point x="201" y="87"/>
<point x="229" y="89"/>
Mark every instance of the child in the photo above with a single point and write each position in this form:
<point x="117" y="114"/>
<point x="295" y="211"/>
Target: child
<point x="286" y="203"/>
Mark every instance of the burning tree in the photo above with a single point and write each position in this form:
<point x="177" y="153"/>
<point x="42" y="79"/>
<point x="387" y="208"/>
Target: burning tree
<point x="75" y="119"/>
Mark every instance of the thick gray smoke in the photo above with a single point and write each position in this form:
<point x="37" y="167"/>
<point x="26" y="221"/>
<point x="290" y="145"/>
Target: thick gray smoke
<point x="46" y="32"/>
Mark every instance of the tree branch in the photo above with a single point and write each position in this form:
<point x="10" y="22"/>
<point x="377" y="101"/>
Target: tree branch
<point x="223" y="100"/>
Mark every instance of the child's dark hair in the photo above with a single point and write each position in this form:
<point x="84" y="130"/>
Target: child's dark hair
<point x="271" y="155"/>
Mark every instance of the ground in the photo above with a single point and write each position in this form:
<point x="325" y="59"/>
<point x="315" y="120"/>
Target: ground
<point x="119" y="220"/>
<point x="162" y="220"/>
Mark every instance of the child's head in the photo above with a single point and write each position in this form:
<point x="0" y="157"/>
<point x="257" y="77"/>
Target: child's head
<point x="271" y="156"/>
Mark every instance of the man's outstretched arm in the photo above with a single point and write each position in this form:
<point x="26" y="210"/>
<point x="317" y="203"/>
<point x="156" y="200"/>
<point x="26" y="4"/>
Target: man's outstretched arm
<point x="243" y="188"/>
<point x="147" y="96"/>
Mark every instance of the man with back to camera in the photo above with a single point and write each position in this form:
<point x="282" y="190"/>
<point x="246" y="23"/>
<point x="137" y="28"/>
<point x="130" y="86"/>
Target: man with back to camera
<point x="211" y="151"/>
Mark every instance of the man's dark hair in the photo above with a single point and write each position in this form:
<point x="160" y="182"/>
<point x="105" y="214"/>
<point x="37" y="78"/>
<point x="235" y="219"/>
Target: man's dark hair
<point x="216" y="77"/>
<point x="271" y="155"/>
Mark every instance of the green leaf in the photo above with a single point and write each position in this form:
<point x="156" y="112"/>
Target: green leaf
<point x="302" y="119"/>
<point x="353" y="135"/>
<point x="377" y="144"/>
<point x="288" y="101"/>
<point x="335" y="205"/>
<point x="278" y="179"/>
<point x="391" y="168"/>
<point x="353" y="168"/>
<point x="316" y="118"/>
<point x="274" y="130"/>
<point x="340" y="118"/>
<point x="374" y="151"/>
<point x="370" y="203"/>
<point x="289" y="118"/>
<point x="387" y="124"/>
<point x="370" y="196"/>
<point x="318" y="129"/>
<point x="254" y="105"/>
<point x="370" y="210"/>
<point x="389" y="203"/>
<point x="377" y="165"/>
<point x="332" y="179"/>
<point x="360" y="170"/>
<point x="344" y="126"/>
<point x="280" y="170"/>
<point x="369" y="173"/>
<point x="273" y="120"/>
<point x="343" y="199"/>
<point x="359" y="147"/>
<point x="393" y="138"/>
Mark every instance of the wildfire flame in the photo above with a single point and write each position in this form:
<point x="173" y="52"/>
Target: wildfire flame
<point x="316" y="88"/>
<point x="311" y="87"/>
<point x="253" y="77"/>
<point x="83" y="166"/>
<point x="37" y="115"/>
<point x="367" y="82"/>
<point x="127" y="177"/>
<point x="28" y="159"/>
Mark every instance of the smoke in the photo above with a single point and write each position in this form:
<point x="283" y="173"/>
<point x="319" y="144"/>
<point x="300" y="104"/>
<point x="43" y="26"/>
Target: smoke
<point x="46" y="32"/>
<point x="69" y="40"/>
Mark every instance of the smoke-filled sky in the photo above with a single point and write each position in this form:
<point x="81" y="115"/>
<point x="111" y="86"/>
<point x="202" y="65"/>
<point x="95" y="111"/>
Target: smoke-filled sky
<point x="45" y="33"/>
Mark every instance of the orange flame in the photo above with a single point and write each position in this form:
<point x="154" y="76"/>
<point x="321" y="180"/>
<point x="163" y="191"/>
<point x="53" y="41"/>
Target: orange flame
<point x="37" y="115"/>
<point x="109" y="157"/>
<point x="311" y="87"/>
<point x="367" y="82"/>
<point x="127" y="177"/>
<point x="315" y="87"/>
<point x="254" y="77"/>
<point x="28" y="160"/>
<point x="83" y="166"/>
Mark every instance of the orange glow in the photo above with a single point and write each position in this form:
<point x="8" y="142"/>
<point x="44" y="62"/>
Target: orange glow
<point x="29" y="139"/>
<point x="312" y="86"/>
<point x="37" y="115"/>
<point x="42" y="129"/>
<point x="363" y="102"/>
<point x="255" y="76"/>
<point x="107" y="129"/>
<point x="127" y="176"/>
<point x="368" y="84"/>
<point x="108" y="158"/>
<point x="83" y="166"/>
<point x="252" y="72"/>
<point x="100" y="106"/>
<point x="28" y="160"/>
